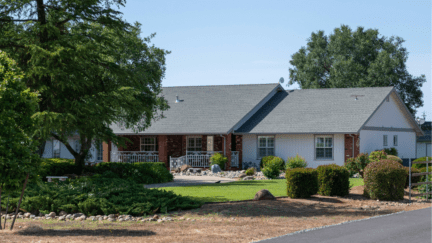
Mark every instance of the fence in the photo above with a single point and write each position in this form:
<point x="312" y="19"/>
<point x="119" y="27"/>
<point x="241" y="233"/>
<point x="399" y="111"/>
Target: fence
<point x="427" y="182"/>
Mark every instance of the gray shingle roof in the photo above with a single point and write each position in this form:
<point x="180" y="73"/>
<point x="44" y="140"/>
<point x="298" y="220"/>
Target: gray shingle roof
<point x="205" y="109"/>
<point x="426" y="127"/>
<point x="316" y="111"/>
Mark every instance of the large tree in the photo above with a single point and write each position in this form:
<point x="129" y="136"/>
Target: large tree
<point x="360" y="58"/>
<point x="89" y="65"/>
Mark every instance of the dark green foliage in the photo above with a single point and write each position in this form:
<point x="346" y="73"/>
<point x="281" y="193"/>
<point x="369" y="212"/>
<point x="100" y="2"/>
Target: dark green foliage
<point x="301" y="182"/>
<point x="280" y="162"/>
<point x="266" y="159"/>
<point x="391" y="151"/>
<point x="272" y="168"/>
<point x="419" y="166"/>
<point x="385" y="180"/>
<point x="378" y="155"/>
<point x="139" y="172"/>
<point x="99" y="195"/>
<point x="357" y="164"/>
<point x="333" y="180"/>
<point x="356" y="58"/>
<point x="251" y="171"/>
<point x="296" y="162"/>
<point x="218" y="159"/>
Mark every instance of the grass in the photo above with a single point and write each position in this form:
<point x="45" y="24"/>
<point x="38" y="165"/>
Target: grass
<point x="237" y="191"/>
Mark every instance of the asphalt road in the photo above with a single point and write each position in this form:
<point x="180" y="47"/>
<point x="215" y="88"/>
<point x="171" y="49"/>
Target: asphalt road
<point x="412" y="227"/>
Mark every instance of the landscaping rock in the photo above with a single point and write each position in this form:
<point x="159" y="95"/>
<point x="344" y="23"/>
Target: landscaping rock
<point x="215" y="168"/>
<point x="184" y="168"/>
<point x="111" y="216"/>
<point x="62" y="213"/>
<point x="61" y="218"/>
<point x="52" y="214"/>
<point x="27" y="215"/>
<point x="111" y="219"/>
<point x="263" y="195"/>
<point x="241" y="175"/>
<point x="78" y="215"/>
<point x="155" y="216"/>
<point x="248" y="178"/>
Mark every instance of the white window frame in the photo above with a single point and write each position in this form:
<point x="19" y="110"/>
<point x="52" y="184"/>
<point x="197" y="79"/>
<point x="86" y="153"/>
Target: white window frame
<point x="99" y="154"/>
<point x="144" y="143"/>
<point x="324" y="147"/>
<point x="385" y="140"/>
<point x="267" y="147"/>
<point x="53" y="148"/>
<point x="210" y="143"/>
<point x="197" y="146"/>
<point x="395" y="140"/>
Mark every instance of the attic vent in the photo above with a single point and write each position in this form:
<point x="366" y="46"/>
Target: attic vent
<point x="177" y="99"/>
<point x="356" y="96"/>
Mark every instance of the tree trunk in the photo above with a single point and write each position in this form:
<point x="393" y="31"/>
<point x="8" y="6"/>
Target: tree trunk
<point x="19" y="202"/>
<point x="7" y="208"/>
<point x="41" y="148"/>
<point x="0" y="206"/>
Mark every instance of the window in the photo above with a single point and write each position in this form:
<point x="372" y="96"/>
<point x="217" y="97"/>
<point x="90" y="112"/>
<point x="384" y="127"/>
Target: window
<point x="148" y="144"/>
<point x="265" y="146"/>
<point x="100" y="152"/>
<point x="194" y="144"/>
<point x="395" y="142"/>
<point x="56" y="148"/>
<point x="209" y="143"/>
<point x="385" y="143"/>
<point x="323" y="147"/>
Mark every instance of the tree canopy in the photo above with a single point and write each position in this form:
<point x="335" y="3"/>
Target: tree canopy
<point x="360" y="58"/>
<point x="90" y="67"/>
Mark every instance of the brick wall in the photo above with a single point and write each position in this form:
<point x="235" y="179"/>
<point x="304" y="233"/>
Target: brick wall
<point x="239" y="147"/>
<point x="134" y="145"/>
<point x="349" y="146"/>
<point x="106" y="154"/>
<point x="175" y="145"/>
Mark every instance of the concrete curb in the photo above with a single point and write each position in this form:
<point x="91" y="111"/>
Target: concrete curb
<point x="327" y="226"/>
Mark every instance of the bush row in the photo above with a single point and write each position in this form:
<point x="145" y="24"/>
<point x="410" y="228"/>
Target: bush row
<point x="139" y="172"/>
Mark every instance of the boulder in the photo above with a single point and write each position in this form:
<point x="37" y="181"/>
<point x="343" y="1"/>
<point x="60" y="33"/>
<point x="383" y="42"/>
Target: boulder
<point x="241" y="175"/>
<point x="215" y="168"/>
<point x="184" y="168"/>
<point x="27" y="215"/>
<point x="52" y="214"/>
<point x="263" y="195"/>
<point x="248" y="178"/>
<point x="62" y="213"/>
<point x="77" y="215"/>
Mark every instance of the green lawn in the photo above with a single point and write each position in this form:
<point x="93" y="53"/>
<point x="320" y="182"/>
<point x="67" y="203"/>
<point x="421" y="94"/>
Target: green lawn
<point x="236" y="191"/>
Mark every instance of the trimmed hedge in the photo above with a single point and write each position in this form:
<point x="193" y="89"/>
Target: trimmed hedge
<point x="333" y="180"/>
<point x="57" y="167"/>
<point x="385" y="180"/>
<point x="301" y="182"/>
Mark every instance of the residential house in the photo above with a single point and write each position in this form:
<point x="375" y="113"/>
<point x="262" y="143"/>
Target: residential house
<point x="424" y="142"/>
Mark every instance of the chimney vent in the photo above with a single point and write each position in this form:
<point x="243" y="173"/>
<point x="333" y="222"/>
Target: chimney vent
<point x="177" y="99"/>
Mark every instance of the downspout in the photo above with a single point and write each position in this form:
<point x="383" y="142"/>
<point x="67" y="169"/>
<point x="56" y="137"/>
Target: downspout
<point x="352" y="145"/>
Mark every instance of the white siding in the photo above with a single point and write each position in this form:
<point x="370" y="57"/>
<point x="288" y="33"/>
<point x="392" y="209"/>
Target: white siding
<point x="423" y="150"/>
<point x="389" y="115"/>
<point x="288" y="145"/>
<point x="373" y="140"/>
<point x="64" y="152"/>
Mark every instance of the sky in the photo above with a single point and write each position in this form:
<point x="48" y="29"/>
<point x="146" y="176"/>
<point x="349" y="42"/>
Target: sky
<point x="222" y="42"/>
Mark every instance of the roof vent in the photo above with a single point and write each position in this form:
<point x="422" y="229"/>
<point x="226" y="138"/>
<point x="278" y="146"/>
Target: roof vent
<point x="356" y="96"/>
<point x="177" y="99"/>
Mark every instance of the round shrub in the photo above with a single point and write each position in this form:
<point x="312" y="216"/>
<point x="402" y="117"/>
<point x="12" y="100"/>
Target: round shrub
<point x="296" y="162"/>
<point x="266" y="159"/>
<point x="218" y="159"/>
<point x="395" y="158"/>
<point x="378" y="155"/>
<point x="272" y="169"/>
<point x="280" y="162"/>
<point x="385" y="180"/>
<point x="301" y="182"/>
<point x="333" y="180"/>
<point x="250" y="172"/>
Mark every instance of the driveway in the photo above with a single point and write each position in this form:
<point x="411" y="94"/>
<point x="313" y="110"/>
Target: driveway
<point x="413" y="226"/>
<point x="190" y="181"/>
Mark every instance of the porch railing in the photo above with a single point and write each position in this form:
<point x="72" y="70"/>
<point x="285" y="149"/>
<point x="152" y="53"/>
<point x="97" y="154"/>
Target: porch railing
<point x="235" y="159"/>
<point x="134" y="156"/>
<point x="200" y="159"/>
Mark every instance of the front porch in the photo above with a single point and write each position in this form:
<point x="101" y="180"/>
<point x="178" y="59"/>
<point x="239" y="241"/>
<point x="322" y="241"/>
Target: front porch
<point x="178" y="150"/>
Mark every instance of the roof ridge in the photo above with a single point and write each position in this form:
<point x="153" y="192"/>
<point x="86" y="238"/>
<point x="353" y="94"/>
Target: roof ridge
<point x="347" y="88"/>
<point x="216" y="85"/>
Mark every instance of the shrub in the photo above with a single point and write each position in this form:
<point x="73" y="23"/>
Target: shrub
<point x="218" y="159"/>
<point x="414" y="179"/>
<point x="296" y="162"/>
<point x="301" y="182"/>
<point x="358" y="163"/>
<point x="250" y="172"/>
<point x="419" y="166"/>
<point x="391" y="151"/>
<point x="272" y="169"/>
<point x="385" y="180"/>
<point x="395" y="158"/>
<point x="378" y="155"/>
<point x="99" y="195"/>
<point x="333" y="180"/>
<point x="280" y="162"/>
<point x="266" y="159"/>
<point x="57" y="167"/>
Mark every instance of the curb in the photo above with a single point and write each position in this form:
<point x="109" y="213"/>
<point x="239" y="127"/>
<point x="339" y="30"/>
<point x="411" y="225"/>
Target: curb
<point x="328" y="226"/>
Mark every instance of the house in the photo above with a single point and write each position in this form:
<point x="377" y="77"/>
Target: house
<point x="247" y="122"/>
<point x="424" y="142"/>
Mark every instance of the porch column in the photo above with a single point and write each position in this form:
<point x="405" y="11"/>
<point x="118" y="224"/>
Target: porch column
<point x="163" y="149"/>
<point x="227" y="149"/>
<point x="106" y="154"/>
<point x="349" y="146"/>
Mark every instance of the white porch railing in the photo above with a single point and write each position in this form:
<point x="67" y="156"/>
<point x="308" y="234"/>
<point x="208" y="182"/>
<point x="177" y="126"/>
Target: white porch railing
<point x="134" y="156"/>
<point x="200" y="159"/>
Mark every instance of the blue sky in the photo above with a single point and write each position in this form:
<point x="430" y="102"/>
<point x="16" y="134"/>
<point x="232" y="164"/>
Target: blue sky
<point x="251" y="42"/>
